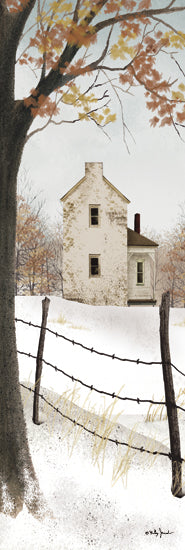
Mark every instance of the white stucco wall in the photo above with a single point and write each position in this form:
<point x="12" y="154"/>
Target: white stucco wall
<point x="109" y="240"/>
<point x="147" y="255"/>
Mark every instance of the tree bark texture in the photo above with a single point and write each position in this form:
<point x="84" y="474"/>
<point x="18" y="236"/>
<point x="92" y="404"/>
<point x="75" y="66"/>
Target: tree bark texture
<point x="16" y="469"/>
<point x="170" y="397"/>
<point x="17" y="476"/>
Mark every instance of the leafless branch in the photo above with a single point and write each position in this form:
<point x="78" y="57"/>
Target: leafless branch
<point x="166" y="25"/>
<point x="101" y="128"/>
<point x="175" y="127"/>
<point x="178" y="64"/>
<point x="93" y="85"/>
<point x="171" y="3"/>
<point x="43" y="5"/>
<point x="22" y="53"/>
<point x="124" y="126"/>
<point x="121" y="89"/>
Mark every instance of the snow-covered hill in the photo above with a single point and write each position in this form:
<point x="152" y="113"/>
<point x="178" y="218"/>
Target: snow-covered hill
<point x="87" y="511"/>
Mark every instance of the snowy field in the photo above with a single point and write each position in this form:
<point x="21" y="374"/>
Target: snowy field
<point x="87" y="509"/>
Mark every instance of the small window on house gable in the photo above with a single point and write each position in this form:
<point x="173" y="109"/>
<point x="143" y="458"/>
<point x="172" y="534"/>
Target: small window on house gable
<point x="94" y="215"/>
<point x="94" y="266"/>
<point x="140" y="273"/>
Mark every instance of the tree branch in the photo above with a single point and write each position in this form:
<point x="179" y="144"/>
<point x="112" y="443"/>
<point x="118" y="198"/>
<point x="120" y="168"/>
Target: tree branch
<point x="100" y="127"/>
<point x="166" y="25"/>
<point x="154" y="89"/>
<point x="58" y="76"/>
<point x="95" y="64"/>
<point x="93" y="12"/>
<point x="55" y="78"/>
<point x="124" y="125"/>
<point x="71" y="50"/>
<point x="63" y="121"/>
<point x="136" y="15"/>
<point x="75" y="17"/>
<point x="43" y="72"/>
<point x="171" y="3"/>
<point x="178" y="64"/>
<point x="175" y="127"/>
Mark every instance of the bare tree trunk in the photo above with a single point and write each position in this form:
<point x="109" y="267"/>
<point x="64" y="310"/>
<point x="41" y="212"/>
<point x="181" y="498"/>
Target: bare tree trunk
<point x="16" y="468"/>
<point x="15" y="462"/>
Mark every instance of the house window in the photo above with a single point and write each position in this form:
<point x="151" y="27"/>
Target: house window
<point x="140" y="273"/>
<point x="94" y="215"/>
<point x="94" y="266"/>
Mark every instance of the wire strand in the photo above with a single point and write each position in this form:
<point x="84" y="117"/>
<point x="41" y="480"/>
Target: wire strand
<point x="91" y="387"/>
<point x="92" y="350"/>
<point x="94" y="433"/>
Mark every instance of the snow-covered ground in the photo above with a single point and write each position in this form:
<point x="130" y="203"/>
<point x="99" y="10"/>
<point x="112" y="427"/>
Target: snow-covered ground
<point x="88" y="511"/>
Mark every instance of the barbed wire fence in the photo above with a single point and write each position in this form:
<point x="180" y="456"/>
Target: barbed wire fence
<point x="94" y="433"/>
<point x="93" y="350"/>
<point x="91" y="387"/>
<point x="175" y="453"/>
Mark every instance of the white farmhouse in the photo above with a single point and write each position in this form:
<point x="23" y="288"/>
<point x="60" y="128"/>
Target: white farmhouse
<point x="104" y="262"/>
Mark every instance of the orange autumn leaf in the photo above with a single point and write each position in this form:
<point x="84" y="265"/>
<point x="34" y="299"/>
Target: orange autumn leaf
<point x="166" y="121"/>
<point x="112" y="6"/>
<point x="154" y="121"/>
<point x="181" y="117"/>
<point x="144" y="5"/>
<point x="129" y="4"/>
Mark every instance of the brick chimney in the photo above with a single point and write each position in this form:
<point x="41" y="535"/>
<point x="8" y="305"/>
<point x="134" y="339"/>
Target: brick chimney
<point x="137" y="223"/>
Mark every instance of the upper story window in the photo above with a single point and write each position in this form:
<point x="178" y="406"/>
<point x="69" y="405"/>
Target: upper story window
<point x="140" y="273"/>
<point x="94" y="215"/>
<point x="94" y="265"/>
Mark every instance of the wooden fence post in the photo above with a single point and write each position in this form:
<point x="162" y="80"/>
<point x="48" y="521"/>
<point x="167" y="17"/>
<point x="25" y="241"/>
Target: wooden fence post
<point x="45" y="308"/>
<point x="170" y="397"/>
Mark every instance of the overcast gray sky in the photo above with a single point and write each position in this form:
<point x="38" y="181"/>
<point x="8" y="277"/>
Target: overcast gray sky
<point x="152" y="176"/>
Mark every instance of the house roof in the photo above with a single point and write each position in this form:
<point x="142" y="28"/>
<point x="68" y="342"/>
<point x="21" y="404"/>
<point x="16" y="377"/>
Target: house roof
<point x="116" y="190"/>
<point x="72" y="189"/>
<point x="136" y="239"/>
<point x="106" y="181"/>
